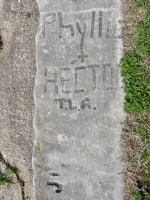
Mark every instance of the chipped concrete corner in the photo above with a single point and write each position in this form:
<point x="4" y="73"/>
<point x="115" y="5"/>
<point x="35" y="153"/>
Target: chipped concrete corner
<point x="79" y="101"/>
<point x="18" y="27"/>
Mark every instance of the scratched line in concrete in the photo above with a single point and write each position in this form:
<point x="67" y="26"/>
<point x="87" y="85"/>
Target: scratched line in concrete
<point x="79" y="101"/>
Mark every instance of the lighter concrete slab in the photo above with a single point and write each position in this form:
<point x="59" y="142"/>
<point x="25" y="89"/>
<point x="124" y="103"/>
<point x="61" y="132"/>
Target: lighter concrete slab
<point x="79" y="101"/>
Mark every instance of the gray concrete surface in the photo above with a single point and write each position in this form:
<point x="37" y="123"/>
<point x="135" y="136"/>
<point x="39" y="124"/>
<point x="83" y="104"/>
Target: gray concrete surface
<point x="79" y="101"/>
<point x="17" y="73"/>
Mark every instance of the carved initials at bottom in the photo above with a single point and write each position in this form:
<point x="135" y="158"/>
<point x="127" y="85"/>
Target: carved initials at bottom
<point x="86" y="102"/>
<point x="62" y="100"/>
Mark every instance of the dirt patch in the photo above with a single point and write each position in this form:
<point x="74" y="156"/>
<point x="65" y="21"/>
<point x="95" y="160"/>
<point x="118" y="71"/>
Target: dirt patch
<point x="132" y="144"/>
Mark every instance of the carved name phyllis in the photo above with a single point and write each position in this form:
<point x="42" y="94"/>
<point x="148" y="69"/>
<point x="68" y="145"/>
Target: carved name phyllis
<point x="96" y="19"/>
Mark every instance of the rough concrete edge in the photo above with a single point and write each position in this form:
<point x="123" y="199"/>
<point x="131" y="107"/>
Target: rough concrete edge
<point x="35" y="132"/>
<point x="120" y="56"/>
<point x="123" y="124"/>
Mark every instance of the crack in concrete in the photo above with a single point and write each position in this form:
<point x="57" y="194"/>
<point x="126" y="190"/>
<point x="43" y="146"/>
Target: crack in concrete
<point x="19" y="180"/>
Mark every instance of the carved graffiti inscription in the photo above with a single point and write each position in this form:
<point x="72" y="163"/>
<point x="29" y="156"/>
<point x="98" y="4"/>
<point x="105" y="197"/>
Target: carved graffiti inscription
<point x="47" y="19"/>
<point x="84" y="76"/>
<point x="96" y="19"/>
<point x="62" y="26"/>
<point x="58" y="187"/>
<point x="52" y="80"/>
<point x="63" y="100"/>
<point x="63" y="78"/>
<point x="109" y="77"/>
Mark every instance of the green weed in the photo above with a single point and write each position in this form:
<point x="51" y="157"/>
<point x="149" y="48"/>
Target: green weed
<point x="7" y="175"/>
<point x="29" y="15"/>
<point x="4" y="179"/>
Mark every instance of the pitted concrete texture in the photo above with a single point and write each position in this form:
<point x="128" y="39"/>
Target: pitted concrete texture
<point x="79" y="101"/>
<point x="18" y="28"/>
<point x="11" y="192"/>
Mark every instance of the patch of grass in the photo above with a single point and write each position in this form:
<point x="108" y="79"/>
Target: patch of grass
<point x="136" y="77"/>
<point x="136" y="83"/>
<point x="140" y="196"/>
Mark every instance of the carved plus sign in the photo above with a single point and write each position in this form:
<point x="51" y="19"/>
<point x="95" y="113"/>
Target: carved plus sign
<point x="82" y="56"/>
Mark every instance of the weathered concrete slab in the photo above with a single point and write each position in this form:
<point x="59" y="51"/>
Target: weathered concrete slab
<point x="18" y="27"/>
<point x="79" y="101"/>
